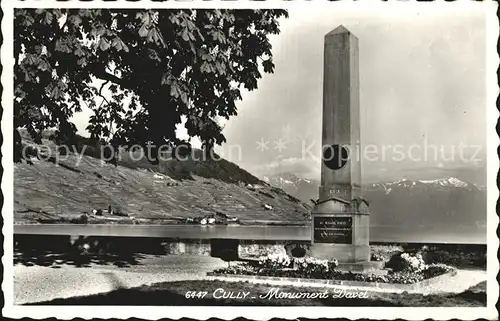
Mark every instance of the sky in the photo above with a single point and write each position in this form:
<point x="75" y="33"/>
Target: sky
<point x="422" y="82"/>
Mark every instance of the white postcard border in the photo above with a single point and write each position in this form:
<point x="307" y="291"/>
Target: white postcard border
<point x="261" y="313"/>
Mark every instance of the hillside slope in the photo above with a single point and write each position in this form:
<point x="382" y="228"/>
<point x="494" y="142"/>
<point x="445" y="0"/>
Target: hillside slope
<point x="166" y="193"/>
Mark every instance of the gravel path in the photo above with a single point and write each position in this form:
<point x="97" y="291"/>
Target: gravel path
<point x="463" y="280"/>
<point x="38" y="283"/>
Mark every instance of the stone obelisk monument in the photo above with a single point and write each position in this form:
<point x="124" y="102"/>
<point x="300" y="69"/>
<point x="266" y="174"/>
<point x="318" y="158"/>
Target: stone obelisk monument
<point x="340" y="218"/>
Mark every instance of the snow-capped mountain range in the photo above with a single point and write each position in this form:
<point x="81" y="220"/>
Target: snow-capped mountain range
<point x="306" y="189"/>
<point x="441" y="183"/>
<point x="285" y="179"/>
<point x="444" y="182"/>
<point x="444" y="205"/>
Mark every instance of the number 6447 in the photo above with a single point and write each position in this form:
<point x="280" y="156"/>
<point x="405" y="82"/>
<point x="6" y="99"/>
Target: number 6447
<point x="195" y="294"/>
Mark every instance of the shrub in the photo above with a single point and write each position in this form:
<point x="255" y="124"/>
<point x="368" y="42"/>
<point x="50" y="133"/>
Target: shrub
<point x="406" y="262"/>
<point x="298" y="252"/>
<point x="82" y="219"/>
<point x="245" y="269"/>
<point x="304" y="265"/>
<point x="376" y="257"/>
<point x="278" y="264"/>
<point x="384" y="252"/>
<point x="415" y="262"/>
<point x="275" y="261"/>
<point x="480" y="260"/>
<point x="31" y="151"/>
<point x="433" y="270"/>
<point x="310" y="266"/>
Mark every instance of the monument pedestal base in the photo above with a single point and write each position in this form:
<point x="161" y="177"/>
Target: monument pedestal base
<point x="340" y="231"/>
<point x="344" y="253"/>
<point x="360" y="267"/>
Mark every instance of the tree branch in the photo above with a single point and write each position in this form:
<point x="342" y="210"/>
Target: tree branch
<point x="100" y="90"/>
<point x="109" y="77"/>
<point x="102" y="74"/>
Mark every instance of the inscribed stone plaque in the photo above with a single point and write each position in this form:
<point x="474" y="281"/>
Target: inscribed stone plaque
<point x="331" y="229"/>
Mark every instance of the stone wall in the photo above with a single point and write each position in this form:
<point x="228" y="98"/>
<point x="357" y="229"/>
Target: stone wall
<point x="255" y="249"/>
<point x="128" y="246"/>
<point x="176" y="247"/>
<point x="251" y="249"/>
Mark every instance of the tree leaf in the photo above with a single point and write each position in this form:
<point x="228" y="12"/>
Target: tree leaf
<point x="27" y="77"/>
<point x="268" y="65"/>
<point x="159" y="38"/>
<point x="75" y="20"/>
<point x="119" y="44"/>
<point x="43" y="65"/>
<point x="31" y="59"/>
<point x="174" y="90"/>
<point x="79" y="52"/>
<point x="82" y="62"/>
<point x="143" y="32"/>
<point x="38" y="49"/>
<point x="55" y="92"/>
<point x="113" y="88"/>
<point x="48" y="18"/>
<point x="28" y="20"/>
<point x="200" y="35"/>
<point x="125" y="47"/>
<point x="146" y="18"/>
<point x="104" y="44"/>
<point x="101" y="31"/>
<point x="184" y="98"/>
<point x="185" y="34"/>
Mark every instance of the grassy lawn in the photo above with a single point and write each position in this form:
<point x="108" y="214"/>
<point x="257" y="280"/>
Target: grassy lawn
<point x="174" y="294"/>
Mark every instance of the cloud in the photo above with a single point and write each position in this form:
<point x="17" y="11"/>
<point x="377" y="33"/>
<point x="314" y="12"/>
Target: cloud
<point x="302" y="167"/>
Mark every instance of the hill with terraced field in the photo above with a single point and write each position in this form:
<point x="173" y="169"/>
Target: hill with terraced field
<point x="50" y="191"/>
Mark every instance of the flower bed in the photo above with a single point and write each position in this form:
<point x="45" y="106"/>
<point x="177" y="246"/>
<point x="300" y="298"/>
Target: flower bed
<point x="411" y="270"/>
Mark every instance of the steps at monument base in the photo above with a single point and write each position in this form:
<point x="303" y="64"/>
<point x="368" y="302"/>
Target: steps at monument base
<point x="375" y="267"/>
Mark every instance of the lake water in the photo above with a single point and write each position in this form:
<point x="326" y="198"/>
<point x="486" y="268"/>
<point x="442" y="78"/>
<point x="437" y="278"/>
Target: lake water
<point x="462" y="235"/>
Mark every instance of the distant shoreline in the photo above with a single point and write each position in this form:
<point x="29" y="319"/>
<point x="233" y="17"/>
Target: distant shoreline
<point x="260" y="233"/>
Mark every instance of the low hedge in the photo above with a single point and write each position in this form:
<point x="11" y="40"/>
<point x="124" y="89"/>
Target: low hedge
<point x="458" y="258"/>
